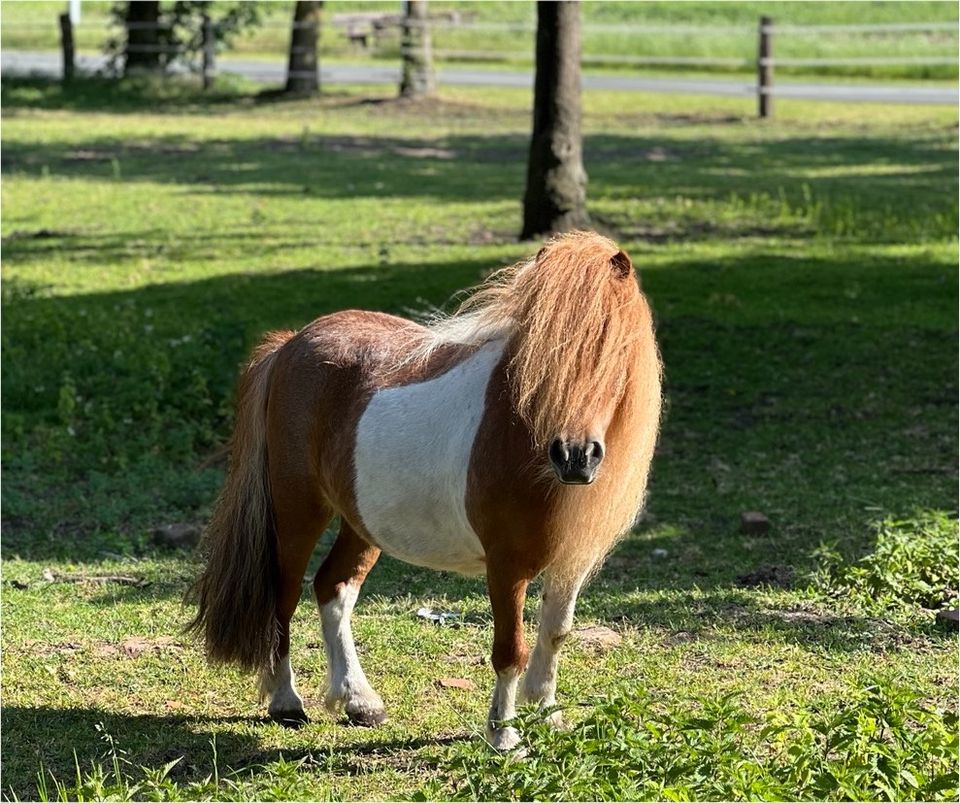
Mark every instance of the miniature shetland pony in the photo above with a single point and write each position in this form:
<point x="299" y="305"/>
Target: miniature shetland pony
<point x="511" y="439"/>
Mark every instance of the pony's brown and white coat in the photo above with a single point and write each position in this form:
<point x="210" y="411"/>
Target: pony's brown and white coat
<point x="430" y="443"/>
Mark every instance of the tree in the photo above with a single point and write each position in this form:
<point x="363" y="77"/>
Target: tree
<point x="303" y="69"/>
<point x="556" y="194"/>
<point x="143" y="51"/>
<point x="153" y="38"/>
<point x="418" y="79"/>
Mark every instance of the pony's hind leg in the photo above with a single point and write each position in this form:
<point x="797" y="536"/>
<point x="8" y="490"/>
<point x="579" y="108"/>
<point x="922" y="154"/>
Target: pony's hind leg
<point x="299" y="527"/>
<point x="336" y="586"/>
<point x="279" y="687"/>
<point x="557" y="604"/>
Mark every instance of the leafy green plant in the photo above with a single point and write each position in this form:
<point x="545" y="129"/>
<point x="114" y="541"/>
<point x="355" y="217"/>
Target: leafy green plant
<point x="883" y="742"/>
<point x="915" y="563"/>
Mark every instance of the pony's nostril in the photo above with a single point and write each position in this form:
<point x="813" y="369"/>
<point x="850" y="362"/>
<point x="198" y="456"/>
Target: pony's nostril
<point x="595" y="449"/>
<point x="558" y="452"/>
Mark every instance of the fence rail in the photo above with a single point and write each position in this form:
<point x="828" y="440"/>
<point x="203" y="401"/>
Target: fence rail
<point x="589" y="58"/>
<point x="866" y="61"/>
<point x="870" y="27"/>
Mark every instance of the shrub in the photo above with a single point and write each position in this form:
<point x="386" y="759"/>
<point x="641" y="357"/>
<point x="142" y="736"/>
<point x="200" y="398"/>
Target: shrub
<point x="915" y="563"/>
<point x="881" y="743"/>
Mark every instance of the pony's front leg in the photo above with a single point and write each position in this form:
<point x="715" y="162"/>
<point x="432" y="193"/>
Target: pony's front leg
<point x="507" y="593"/>
<point x="336" y="586"/>
<point x="557" y="604"/>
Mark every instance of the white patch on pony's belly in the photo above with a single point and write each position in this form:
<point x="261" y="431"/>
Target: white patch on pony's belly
<point x="411" y="457"/>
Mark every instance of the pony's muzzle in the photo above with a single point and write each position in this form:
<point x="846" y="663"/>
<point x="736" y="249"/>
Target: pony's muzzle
<point x="575" y="462"/>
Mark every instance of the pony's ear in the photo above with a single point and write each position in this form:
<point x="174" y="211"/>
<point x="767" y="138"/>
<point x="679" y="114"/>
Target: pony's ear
<point x="621" y="264"/>
<point x="540" y="254"/>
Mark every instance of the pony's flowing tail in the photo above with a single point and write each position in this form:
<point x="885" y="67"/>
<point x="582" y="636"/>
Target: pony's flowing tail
<point x="236" y="593"/>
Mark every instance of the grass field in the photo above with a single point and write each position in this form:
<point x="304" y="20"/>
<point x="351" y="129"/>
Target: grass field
<point x="803" y="274"/>
<point x="33" y="25"/>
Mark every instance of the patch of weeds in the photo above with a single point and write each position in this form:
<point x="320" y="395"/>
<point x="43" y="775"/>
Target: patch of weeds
<point x="915" y="563"/>
<point x="118" y="778"/>
<point x="881" y="743"/>
<point x="114" y="780"/>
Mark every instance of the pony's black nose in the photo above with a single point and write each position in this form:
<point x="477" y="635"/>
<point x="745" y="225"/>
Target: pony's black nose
<point x="575" y="462"/>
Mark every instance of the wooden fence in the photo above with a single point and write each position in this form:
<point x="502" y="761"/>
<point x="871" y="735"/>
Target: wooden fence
<point x="378" y="24"/>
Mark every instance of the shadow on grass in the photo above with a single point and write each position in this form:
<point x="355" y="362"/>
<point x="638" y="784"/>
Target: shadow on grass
<point x="89" y="93"/>
<point x="44" y="737"/>
<point x="784" y="394"/>
<point x="155" y="370"/>
<point x="876" y="170"/>
<point x="180" y="95"/>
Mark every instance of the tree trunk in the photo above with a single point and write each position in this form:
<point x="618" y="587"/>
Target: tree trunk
<point x="142" y="51"/>
<point x="418" y="79"/>
<point x="303" y="68"/>
<point x="556" y="194"/>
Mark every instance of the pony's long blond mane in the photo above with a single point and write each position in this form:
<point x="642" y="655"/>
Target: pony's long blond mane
<point x="575" y="320"/>
<point x="579" y="333"/>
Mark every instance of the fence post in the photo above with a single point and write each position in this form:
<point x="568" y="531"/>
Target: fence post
<point x="66" y="44"/>
<point x="209" y="65"/>
<point x="765" y="68"/>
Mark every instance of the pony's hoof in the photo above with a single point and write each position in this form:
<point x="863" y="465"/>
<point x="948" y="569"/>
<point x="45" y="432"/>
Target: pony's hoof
<point x="503" y="739"/>
<point x="290" y="719"/>
<point x="365" y="717"/>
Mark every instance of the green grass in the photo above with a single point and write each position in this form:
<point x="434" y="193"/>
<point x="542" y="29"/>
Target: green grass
<point x="879" y="744"/>
<point x="34" y="26"/>
<point x="803" y="275"/>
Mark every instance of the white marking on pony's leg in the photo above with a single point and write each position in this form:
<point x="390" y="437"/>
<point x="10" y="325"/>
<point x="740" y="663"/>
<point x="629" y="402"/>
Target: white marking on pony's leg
<point x="503" y="707"/>
<point x="346" y="683"/>
<point x="280" y="686"/>
<point x="556" y="622"/>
